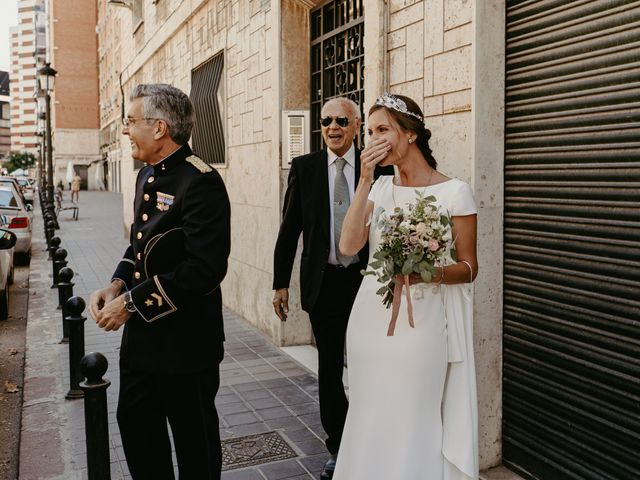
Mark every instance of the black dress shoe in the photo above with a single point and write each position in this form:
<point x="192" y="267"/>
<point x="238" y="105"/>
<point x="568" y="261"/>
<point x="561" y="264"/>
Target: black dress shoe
<point x="327" y="471"/>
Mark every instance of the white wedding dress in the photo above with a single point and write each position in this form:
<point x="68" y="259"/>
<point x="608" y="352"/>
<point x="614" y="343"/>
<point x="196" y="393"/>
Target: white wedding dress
<point x="412" y="396"/>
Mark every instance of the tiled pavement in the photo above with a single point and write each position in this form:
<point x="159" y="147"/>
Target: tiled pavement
<point x="262" y="388"/>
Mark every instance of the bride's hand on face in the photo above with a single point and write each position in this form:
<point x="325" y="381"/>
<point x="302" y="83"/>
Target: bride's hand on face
<point x="376" y="151"/>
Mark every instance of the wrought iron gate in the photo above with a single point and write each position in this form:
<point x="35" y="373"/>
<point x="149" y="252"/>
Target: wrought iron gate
<point x="572" y="240"/>
<point x="337" y="58"/>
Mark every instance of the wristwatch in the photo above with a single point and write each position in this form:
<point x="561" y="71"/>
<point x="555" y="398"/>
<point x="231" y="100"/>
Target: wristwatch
<point x="128" y="303"/>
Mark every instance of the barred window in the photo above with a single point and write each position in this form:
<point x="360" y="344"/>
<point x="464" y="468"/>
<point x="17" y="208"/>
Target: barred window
<point x="337" y="59"/>
<point x="207" y="95"/>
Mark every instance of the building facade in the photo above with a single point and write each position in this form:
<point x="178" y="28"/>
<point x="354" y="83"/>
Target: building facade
<point x="63" y="34"/>
<point x="110" y="31"/>
<point x="5" y="115"/>
<point x="75" y="122"/>
<point x="24" y="85"/>
<point x="510" y="93"/>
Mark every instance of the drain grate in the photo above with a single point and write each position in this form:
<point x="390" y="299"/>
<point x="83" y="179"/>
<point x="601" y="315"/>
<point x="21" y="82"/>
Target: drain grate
<point x="254" y="450"/>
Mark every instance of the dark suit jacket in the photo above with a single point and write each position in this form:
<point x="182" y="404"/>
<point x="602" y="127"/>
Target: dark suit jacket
<point x="180" y="242"/>
<point x="306" y="211"/>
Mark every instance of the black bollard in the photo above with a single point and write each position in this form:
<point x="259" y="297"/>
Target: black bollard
<point x="59" y="261"/>
<point x="65" y="292"/>
<point x="96" y="422"/>
<point x="51" y="210"/>
<point x="54" y="244"/>
<point x="48" y="232"/>
<point x="75" y="307"/>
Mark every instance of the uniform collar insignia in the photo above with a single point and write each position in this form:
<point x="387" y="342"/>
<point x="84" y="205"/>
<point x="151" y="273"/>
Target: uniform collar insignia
<point x="166" y="165"/>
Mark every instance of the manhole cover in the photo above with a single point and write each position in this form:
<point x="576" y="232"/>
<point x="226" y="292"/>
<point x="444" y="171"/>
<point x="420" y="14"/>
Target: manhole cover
<point x="254" y="450"/>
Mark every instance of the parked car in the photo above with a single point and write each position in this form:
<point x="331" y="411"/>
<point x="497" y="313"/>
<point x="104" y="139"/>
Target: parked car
<point x="14" y="182"/>
<point x="18" y="217"/>
<point x="27" y="189"/>
<point x="7" y="244"/>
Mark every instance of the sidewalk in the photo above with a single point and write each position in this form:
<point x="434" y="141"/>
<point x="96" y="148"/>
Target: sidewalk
<point x="264" y="393"/>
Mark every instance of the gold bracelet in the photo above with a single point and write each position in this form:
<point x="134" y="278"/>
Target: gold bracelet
<point x="470" y="270"/>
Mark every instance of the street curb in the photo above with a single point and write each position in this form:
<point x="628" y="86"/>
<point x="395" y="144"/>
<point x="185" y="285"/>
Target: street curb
<point x="45" y="433"/>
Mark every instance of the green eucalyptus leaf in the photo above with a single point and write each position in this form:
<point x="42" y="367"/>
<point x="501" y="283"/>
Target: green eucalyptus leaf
<point x="416" y="256"/>
<point x="407" y="268"/>
<point x="382" y="290"/>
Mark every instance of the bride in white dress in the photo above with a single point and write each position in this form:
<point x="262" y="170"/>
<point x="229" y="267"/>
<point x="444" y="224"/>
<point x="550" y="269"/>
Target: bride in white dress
<point x="412" y="396"/>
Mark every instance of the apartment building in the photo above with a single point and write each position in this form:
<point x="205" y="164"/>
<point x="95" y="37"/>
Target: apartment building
<point x="73" y="53"/>
<point x="24" y="64"/>
<point x="63" y="34"/>
<point x="5" y="115"/>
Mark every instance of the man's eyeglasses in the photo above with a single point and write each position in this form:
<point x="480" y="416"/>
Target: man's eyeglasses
<point x="340" y="121"/>
<point x="128" y="121"/>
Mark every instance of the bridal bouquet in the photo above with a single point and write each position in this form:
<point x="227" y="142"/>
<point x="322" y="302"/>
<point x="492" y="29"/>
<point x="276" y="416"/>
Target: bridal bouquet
<point x="414" y="240"/>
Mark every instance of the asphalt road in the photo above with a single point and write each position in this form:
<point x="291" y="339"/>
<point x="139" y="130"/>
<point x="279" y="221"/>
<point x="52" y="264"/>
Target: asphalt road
<point x="12" y="350"/>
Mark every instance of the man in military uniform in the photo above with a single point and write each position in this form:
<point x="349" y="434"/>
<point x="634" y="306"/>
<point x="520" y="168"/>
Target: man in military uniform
<point x="166" y="292"/>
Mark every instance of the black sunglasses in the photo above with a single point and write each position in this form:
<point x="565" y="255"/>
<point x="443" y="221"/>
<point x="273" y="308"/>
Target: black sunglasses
<point x="341" y="121"/>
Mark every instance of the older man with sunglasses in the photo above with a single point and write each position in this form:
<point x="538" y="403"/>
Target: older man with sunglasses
<point x="321" y="185"/>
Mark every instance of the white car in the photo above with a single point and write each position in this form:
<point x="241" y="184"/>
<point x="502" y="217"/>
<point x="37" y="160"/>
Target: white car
<point x="19" y="218"/>
<point x="13" y="181"/>
<point x="7" y="242"/>
<point x="27" y="189"/>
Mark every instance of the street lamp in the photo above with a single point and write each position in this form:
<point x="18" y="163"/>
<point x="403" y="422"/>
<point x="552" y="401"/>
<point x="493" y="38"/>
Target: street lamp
<point x="46" y="78"/>
<point x="41" y="133"/>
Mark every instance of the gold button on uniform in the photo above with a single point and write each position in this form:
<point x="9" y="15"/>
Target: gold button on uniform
<point x="145" y="217"/>
<point x="139" y="235"/>
<point x="150" y="180"/>
<point x="137" y="275"/>
<point x="146" y="197"/>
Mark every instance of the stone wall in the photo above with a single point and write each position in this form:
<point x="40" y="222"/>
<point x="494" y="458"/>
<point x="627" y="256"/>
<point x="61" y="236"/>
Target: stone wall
<point x="79" y="146"/>
<point x="165" y="48"/>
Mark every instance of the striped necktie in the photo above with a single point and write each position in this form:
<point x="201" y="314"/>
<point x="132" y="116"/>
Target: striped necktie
<point x="340" y="206"/>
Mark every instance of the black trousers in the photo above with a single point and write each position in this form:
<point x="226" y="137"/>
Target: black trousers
<point x="329" y="320"/>
<point x="187" y="401"/>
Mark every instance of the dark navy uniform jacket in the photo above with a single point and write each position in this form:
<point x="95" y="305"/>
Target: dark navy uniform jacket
<point x="180" y="241"/>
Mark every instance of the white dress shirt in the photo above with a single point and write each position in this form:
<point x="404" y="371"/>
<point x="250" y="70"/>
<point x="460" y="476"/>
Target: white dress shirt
<point x="350" y="173"/>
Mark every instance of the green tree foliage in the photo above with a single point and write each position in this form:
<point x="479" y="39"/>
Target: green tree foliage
<point x="17" y="160"/>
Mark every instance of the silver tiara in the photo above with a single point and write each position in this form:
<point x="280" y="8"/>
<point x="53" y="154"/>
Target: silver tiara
<point x="391" y="101"/>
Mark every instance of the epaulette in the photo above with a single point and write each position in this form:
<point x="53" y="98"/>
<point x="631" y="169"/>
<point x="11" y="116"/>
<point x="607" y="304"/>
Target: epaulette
<point x="199" y="164"/>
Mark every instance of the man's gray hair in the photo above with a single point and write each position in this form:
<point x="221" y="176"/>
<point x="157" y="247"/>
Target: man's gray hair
<point x="165" y="102"/>
<point x="353" y="106"/>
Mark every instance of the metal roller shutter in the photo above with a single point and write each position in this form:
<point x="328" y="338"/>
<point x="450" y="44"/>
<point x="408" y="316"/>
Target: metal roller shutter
<point x="572" y="240"/>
